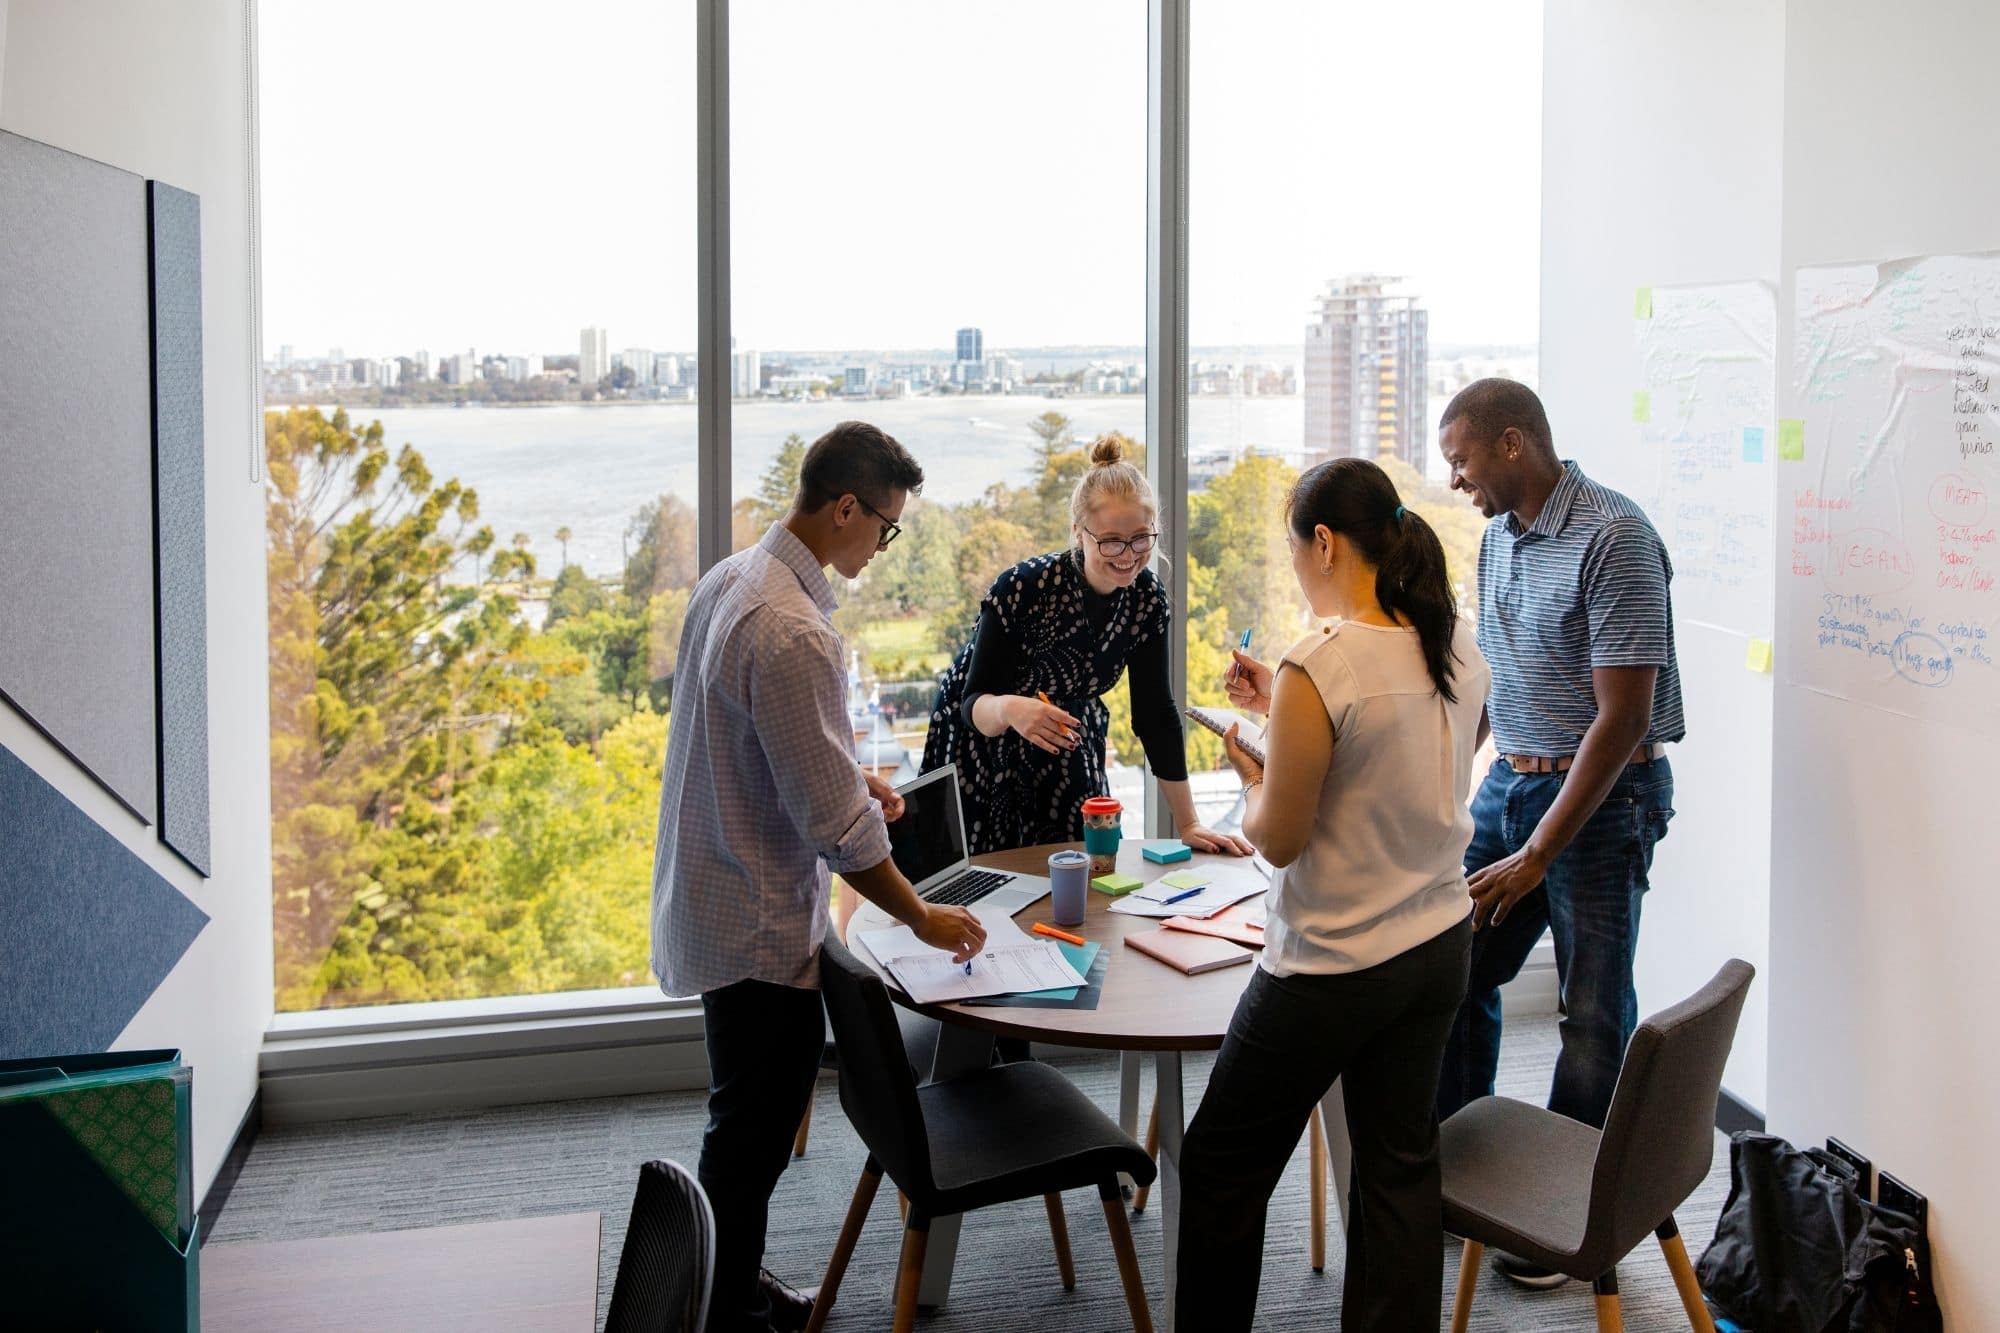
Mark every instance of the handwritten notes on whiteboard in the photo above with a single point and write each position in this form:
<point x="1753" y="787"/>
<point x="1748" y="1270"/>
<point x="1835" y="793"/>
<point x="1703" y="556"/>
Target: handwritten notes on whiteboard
<point x="1889" y="590"/>
<point x="1708" y="369"/>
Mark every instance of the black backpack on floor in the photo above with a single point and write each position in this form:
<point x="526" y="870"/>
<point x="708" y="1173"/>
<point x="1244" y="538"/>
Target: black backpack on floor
<point x="1798" y="1250"/>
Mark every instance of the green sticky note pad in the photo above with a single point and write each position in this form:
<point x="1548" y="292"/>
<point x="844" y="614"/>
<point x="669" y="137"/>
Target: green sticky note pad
<point x="1115" y="884"/>
<point x="1642" y="304"/>
<point x="1186" y="879"/>
<point x="1642" y="405"/>
<point x="1792" y="440"/>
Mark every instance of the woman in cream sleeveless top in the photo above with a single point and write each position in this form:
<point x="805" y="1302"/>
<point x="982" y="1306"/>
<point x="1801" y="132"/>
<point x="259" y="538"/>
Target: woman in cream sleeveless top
<point x="1373" y="725"/>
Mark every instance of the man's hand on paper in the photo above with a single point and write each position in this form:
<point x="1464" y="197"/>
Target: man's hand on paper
<point x="954" y="929"/>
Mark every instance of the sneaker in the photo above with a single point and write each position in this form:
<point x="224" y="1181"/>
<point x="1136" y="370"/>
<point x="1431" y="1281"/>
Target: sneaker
<point x="1524" y="1274"/>
<point x="790" y="1307"/>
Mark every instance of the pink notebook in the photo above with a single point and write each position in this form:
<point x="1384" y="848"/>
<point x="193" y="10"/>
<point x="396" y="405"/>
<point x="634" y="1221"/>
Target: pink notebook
<point x="1237" y="923"/>
<point x="1187" y="951"/>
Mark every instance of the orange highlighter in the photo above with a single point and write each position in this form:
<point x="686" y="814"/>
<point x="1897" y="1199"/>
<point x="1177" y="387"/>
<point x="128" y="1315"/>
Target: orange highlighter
<point x="1044" y="928"/>
<point x="1043" y="696"/>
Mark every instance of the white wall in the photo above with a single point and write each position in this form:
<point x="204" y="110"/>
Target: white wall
<point x="1660" y="142"/>
<point x="1884" y="916"/>
<point x="159" y="90"/>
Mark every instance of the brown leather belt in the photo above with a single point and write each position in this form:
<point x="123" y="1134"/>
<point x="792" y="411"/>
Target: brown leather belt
<point x="1531" y="763"/>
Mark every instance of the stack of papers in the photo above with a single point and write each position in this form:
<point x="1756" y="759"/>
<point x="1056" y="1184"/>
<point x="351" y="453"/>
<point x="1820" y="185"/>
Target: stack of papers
<point x="1197" y="892"/>
<point x="1011" y="963"/>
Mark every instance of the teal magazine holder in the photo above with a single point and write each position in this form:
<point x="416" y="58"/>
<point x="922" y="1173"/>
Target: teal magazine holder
<point x="97" y="1217"/>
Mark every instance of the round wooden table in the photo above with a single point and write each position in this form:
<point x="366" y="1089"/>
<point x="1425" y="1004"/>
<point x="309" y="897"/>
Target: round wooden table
<point x="1146" y="1006"/>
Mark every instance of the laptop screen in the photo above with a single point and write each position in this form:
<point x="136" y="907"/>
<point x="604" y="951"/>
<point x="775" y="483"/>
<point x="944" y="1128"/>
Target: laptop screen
<point x="928" y="838"/>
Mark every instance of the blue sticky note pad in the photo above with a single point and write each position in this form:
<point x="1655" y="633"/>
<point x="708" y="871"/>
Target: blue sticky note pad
<point x="1753" y="444"/>
<point x="1166" y="851"/>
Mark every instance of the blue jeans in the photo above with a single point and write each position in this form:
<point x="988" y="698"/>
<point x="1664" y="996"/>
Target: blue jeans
<point x="1589" y="900"/>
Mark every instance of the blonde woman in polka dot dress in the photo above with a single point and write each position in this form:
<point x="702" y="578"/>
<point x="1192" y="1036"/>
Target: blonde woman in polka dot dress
<point x="1067" y="625"/>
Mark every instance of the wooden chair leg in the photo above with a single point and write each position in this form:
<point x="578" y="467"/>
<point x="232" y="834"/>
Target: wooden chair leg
<point x="902" y="1205"/>
<point x="1128" y="1258"/>
<point x="799" y="1139"/>
<point x="1685" y="1281"/>
<point x="910" y="1275"/>
<point x="1059" y="1233"/>
<point x="1609" y="1318"/>
<point x="1152" y="1150"/>
<point x="843" y="1249"/>
<point x="1316" y="1154"/>
<point x="1468" y="1283"/>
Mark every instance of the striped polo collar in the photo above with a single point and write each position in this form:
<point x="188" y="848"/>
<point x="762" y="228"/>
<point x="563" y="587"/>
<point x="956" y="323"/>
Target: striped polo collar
<point x="1555" y="510"/>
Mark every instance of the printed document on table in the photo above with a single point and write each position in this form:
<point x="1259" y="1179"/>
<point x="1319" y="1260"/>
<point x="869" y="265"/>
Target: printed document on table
<point x="902" y="942"/>
<point x="1228" y="884"/>
<point x="932" y="978"/>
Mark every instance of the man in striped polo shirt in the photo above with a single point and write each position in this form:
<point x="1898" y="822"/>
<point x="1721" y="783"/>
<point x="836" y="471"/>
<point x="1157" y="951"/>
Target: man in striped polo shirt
<point x="1576" y="622"/>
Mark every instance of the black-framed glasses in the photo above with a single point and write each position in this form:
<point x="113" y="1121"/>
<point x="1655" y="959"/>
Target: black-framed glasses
<point x="1111" y="547"/>
<point x="890" y="528"/>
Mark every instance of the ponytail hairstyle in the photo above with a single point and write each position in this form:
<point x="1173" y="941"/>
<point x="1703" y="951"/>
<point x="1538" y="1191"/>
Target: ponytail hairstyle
<point x="1355" y="498"/>
<point x="1110" y="477"/>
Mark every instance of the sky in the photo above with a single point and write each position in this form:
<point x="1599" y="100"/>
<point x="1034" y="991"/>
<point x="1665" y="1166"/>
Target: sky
<point x="498" y="175"/>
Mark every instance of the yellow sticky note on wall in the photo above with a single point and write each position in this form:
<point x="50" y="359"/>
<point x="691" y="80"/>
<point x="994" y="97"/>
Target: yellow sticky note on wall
<point x="1642" y="405"/>
<point x="1792" y="440"/>
<point x="1642" y="304"/>
<point x="1758" y="659"/>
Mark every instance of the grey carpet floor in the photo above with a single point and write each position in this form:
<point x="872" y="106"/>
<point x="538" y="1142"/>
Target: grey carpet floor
<point x="558" y="1157"/>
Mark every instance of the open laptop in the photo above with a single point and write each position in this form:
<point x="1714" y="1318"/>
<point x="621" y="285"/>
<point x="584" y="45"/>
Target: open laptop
<point x="929" y="846"/>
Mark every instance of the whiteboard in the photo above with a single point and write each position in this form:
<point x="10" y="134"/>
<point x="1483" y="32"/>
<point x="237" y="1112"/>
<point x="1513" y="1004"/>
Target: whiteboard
<point x="1706" y="414"/>
<point x="1890" y="597"/>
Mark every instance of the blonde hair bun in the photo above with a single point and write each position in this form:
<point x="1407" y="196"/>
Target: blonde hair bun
<point x="1111" y="476"/>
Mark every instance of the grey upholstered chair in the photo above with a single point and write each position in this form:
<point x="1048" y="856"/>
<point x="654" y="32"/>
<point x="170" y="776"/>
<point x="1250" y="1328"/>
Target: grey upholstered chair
<point x="668" y="1262"/>
<point x="1011" y="1131"/>
<point x="1559" y="1193"/>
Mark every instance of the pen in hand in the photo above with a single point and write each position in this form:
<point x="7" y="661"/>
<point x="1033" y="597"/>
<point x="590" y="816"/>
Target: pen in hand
<point x="1242" y="646"/>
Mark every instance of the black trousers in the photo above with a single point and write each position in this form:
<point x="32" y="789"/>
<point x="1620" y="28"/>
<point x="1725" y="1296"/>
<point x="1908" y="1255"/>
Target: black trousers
<point x="1382" y="1032"/>
<point x="764" y="1044"/>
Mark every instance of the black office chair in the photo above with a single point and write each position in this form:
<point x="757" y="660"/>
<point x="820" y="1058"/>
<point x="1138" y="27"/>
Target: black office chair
<point x="1011" y="1131"/>
<point x="1559" y="1193"/>
<point x="668" y="1262"/>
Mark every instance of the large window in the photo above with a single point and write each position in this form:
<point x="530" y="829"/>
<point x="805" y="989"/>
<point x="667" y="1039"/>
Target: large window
<point x="1363" y="231"/>
<point x="480" y="299"/>
<point x="479" y="295"/>
<point x="938" y="219"/>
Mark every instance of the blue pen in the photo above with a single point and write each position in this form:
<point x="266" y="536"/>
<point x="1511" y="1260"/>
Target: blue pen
<point x="968" y="967"/>
<point x="1185" y="893"/>
<point x="1242" y="646"/>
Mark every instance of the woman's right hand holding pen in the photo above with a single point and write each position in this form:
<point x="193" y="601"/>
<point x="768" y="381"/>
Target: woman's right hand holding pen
<point x="1248" y="683"/>
<point x="1041" y="723"/>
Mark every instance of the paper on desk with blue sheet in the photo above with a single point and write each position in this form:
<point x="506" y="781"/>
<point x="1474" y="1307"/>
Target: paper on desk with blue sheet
<point x="1087" y="959"/>
<point x="1229" y="883"/>
<point x="933" y="978"/>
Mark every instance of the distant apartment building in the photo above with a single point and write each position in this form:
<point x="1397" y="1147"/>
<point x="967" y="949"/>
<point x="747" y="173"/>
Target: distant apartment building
<point x="1365" y="384"/>
<point x="593" y="358"/>
<point x="856" y="381"/>
<point x="746" y="379"/>
<point x="971" y="345"/>
<point x="460" y="367"/>
<point x="641" y="362"/>
<point x="424" y="365"/>
<point x="521" y="369"/>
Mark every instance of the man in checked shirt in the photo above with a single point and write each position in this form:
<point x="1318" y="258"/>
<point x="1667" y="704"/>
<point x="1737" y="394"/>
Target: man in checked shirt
<point x="760" y="799"/>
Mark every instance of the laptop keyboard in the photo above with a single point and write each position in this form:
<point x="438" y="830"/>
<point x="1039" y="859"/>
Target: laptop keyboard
<point x="969" y="887"/>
